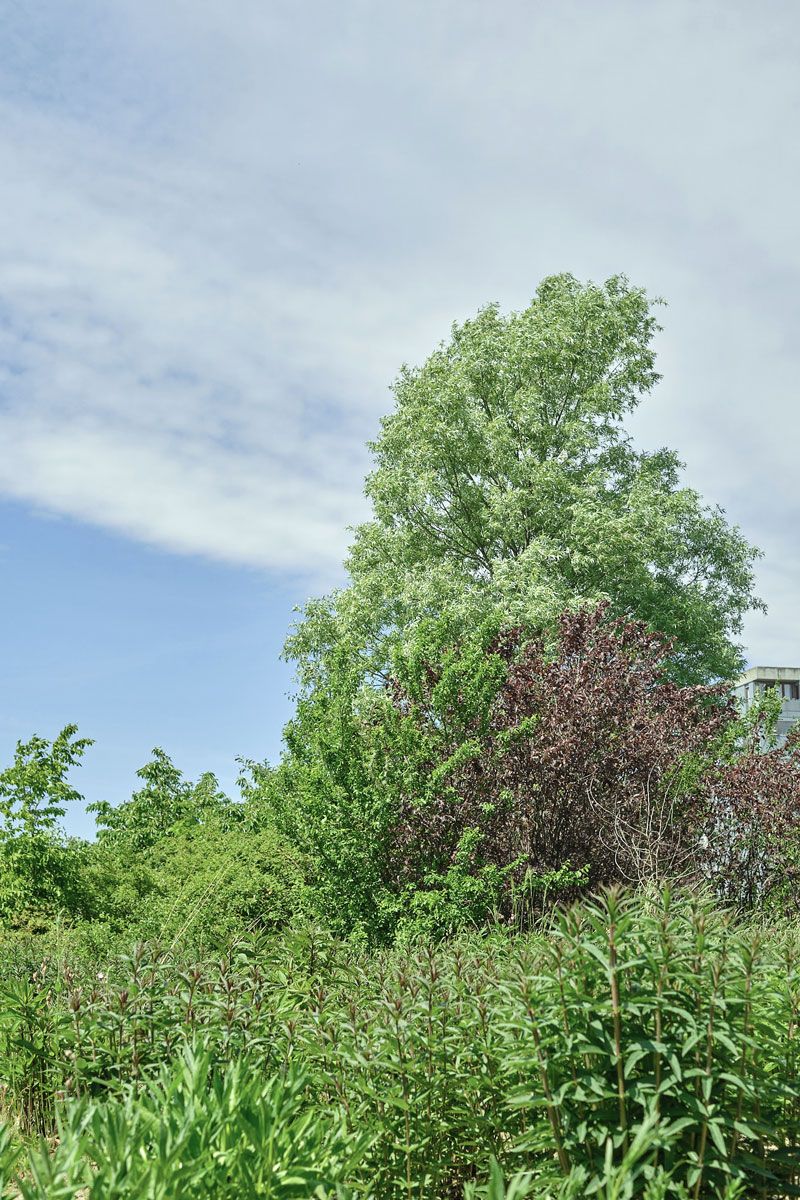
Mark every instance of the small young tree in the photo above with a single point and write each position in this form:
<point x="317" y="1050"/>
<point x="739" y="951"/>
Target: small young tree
<point x="165" y="802"/>
<point x="37" y="865"/>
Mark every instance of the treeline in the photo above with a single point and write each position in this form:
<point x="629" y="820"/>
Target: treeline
<point x="497" y="773"/>
<point x="517" y="696"/>
<point x="179" y="860"/>
<point x="489" y="777"/>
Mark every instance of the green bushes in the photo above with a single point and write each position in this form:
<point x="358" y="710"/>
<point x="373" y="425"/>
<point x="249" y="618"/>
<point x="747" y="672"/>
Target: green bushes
<point x="204" y="885"/>
<point x="642" y="1048"/>
<point x="180" y="861"/>
<point x="501" y="756"/>
<point x="215" y="882"/>
<point x="198" y="1130"/>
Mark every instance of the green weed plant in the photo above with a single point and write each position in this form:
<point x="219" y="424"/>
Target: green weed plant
<point x="637" y="1047"/>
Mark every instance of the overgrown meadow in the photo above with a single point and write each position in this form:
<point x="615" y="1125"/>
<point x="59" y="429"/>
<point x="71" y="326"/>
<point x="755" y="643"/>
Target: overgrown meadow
<point x="631" y="1046"/>
<point x="516" y="914"/>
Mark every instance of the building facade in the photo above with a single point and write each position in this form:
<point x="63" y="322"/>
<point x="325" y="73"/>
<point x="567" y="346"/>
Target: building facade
<point x="786" y="680"/>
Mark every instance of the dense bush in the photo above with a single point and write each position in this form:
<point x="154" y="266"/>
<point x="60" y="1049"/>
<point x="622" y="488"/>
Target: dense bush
<point x="500" y="768"/>
<point x="586" y="753"/>
<point x="179" y="861"/>
<point x="217" y="881"/>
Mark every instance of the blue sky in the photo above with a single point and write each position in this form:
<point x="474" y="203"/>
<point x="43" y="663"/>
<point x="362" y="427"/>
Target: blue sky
<point x="225" y="226"/>
<point x="139" y="648"/>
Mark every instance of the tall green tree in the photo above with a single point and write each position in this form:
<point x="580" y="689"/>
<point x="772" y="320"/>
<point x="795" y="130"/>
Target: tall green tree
<point x="506" y="489"/>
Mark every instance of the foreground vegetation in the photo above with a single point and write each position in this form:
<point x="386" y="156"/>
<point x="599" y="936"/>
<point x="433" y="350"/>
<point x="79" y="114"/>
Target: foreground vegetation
<point x="636" y="1047"/>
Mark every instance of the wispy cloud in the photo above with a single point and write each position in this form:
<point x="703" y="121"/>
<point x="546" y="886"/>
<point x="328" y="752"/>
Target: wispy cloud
<point x="224" y="228"/>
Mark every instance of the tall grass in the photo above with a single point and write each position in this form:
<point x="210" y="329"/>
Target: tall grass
<point x="635" y="1048"/>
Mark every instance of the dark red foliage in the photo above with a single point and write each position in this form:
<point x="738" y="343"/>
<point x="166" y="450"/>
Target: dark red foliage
<point x="591" y="755"/>
<point x="753" y="824"/>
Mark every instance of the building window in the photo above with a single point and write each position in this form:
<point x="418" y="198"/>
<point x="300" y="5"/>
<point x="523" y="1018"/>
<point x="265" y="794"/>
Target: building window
<point x="787" y="691"/>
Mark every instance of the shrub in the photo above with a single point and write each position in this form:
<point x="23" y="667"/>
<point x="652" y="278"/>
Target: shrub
<point x="214" y="883"/>
<point x="504" y="758"/>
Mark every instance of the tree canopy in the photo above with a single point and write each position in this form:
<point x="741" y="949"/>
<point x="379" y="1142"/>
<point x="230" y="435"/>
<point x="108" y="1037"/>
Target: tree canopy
<point x="506" y="489"/>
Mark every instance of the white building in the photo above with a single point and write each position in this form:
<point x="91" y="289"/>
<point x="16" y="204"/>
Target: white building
<point x="760" y="679"/>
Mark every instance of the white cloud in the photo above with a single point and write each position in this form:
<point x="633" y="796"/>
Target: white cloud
<point x="226" y="227"/>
